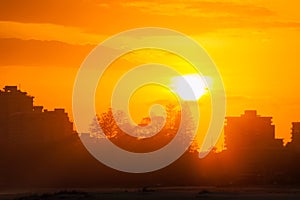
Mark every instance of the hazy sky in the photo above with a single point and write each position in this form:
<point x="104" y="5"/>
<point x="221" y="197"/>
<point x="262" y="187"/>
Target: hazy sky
<point x="255" y="44"/>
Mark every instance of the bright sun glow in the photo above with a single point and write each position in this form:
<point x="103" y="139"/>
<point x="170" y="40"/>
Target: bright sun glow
<point x="196" y="82"/>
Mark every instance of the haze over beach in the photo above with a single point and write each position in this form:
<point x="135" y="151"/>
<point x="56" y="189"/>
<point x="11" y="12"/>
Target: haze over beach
<point x="254" y="44"/>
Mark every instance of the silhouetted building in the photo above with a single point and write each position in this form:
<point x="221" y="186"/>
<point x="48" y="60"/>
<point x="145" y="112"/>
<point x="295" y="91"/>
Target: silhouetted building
<point x="21" y="122"/>
<point x="13" y="100"/>
<point x="294" y="145"/>
<point x="251" y="132"/>
<point x="253" y="153"/>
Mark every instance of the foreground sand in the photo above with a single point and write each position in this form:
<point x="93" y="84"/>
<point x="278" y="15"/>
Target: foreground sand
<point x="172" y="193"/>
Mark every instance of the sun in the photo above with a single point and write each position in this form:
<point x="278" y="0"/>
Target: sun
<point x="197" y="83"/>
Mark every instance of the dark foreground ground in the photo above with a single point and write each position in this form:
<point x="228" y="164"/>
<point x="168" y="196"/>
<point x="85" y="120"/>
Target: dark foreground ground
<point x="172" y="193"/>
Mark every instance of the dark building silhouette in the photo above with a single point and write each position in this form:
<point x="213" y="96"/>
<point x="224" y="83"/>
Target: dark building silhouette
<point x="252" y="153"/>
<point x="294" y="145"/>
<point x="250" y="132"/>
<point x="33" y="141"/>
<point x="12" y="101"/>
<point x="22" y="122"/>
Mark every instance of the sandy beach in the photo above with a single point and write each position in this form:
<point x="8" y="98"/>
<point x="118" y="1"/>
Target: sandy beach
<point x="174" y="193"/>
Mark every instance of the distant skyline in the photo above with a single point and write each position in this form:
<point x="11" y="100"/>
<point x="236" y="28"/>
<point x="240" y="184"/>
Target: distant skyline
<point x="254" y="43"/>
<point x="220" y="146"/>
<point x="253" y="156"/>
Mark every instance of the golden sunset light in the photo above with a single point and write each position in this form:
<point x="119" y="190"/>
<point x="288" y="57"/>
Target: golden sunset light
<point x="253" y="43"/>
<point x="215" y="81"/>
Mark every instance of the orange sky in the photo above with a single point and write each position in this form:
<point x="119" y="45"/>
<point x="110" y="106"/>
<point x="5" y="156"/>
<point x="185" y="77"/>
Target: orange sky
<point x="255" y="44"/>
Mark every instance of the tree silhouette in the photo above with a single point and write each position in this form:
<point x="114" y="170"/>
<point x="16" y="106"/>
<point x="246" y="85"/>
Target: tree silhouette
<point x="109" y="124"/>
<point x="172" y="114"/>
<point x="94" y="129"/>
<point x="186" y="120"/>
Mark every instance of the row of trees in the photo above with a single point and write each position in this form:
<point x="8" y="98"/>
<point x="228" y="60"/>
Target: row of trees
<point x="152" y="134"/>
